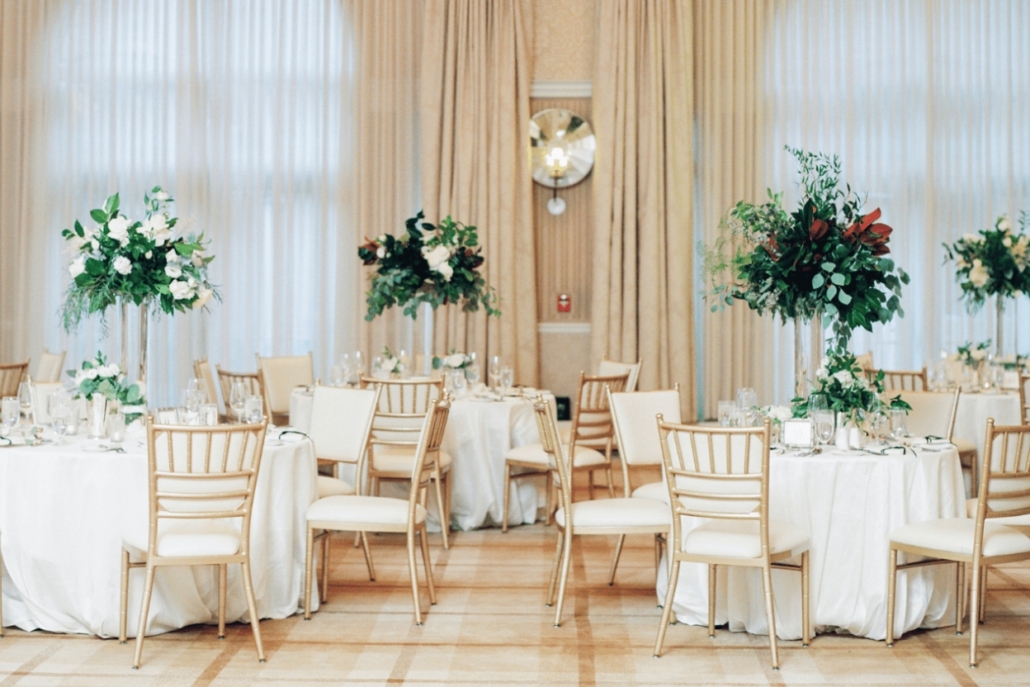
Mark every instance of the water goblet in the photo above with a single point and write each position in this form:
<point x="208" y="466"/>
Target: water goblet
<point x="458" y="382"/>
<point x="725" y="410"/>
<point x="209" y="414"/>
<point x="507" y="378"/>
<point x="238" y="399"/>
<point x="747" y="402"/>
<point x="191" y="406"/>
<point x="898" y="428"/>
<point x="472" y="373"/>
<point x="359" y="363"/>
<point x="494" y="370"/>
<point x="59" y="409"/>
<point x="252" y="411"/>
<point x="25" y="399"/>
<point x="10" y="410"/>
<point x="116" y="428"/>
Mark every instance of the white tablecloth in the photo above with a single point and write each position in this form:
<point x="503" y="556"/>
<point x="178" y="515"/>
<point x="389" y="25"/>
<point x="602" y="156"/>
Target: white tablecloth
<point x="974" y="409"/>
<point x="62" y="514"/>
<point x="479" y="434"/>
<point x="849" y="502"/>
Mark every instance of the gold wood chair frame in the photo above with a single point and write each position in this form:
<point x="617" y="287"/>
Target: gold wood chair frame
<point x="280" y="375"/>
<point x="1024" y="401"/>
<point x="336" y="513"/>
<point x="11" y="375"/>
<point x="592" y="425"/>
<point x="189" y="488"/>
<point x="728" y="487"/>
<point x="901" y="380"/>
<point x="253" y="381"/>
<point x="1004" y="492"/>
<point x="202" y="371"/>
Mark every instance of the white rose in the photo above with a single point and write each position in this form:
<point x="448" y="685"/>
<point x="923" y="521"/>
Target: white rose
<point x="173" y="270"/>
<point x="162" y="237"/>
<point x="1005" y="224"/>
<point x="110" y="370"/>
<point x="978" y="353"/>
<point x="149" y="254"/>
<point x="78" y="266"/>
<point x="93" y="372"/>
<point x="436" y="256"/>
<point x="844" y="377"/>
<point x="122" y="265"/>
<point x="381" y="252"/>
<point x="197" y="258"/>
<point x="180" y="290"/>
<point x="1007" y="242"/>
<point x="192" y="282"/>
<point x="961" y="263"/>
<point x="821" y="372"/>
<point x="454" y="360"/>
<point x="779" y="413"/>
<point x="160" y="196"/>
<point x="978" y="274"/>
<point x="172" y="256"/>
<point x="80" y="377"/>
<point x="446" y="271"/>
<point x="381" y="238"/>
<point x="969" y="238"/>
<point x="153" y="224"/>
<point x="118" y="229"/>
<point x="94" y="243"/>
<point x="203" y="296"/>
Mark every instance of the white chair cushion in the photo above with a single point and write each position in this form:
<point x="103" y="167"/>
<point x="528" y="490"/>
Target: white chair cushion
<point x="368" y="510"/>
<point x="963" y="445"/>
<point x="400" y="459"/>
<point x="330" y="486"/>
<point x="534" y="453"/>
<point x="620" y="512"/>
<point x="1012" y="521"/>
<point x="655" y="490"/>
<point x="219" y="537"/>
<point x="955" y="535"/>
<point x="742" y="539"/>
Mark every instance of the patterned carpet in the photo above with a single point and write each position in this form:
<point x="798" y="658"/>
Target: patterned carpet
<point x="491" y="627"/>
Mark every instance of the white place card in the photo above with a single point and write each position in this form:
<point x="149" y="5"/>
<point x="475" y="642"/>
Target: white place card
<point x="798" y="434"/>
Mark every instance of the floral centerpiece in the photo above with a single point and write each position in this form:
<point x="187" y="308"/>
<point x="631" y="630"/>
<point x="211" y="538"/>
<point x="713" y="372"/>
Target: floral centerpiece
<point x="973" y="354"/>
<point x="98" y="377"/>
<point x="389" y="363"/>
<point x="825" y="258"/>
<point x="453" y="361"/>
<point x="848" y="388"/>
<point x="428" y="264"/>
<point x="139" y="261"/>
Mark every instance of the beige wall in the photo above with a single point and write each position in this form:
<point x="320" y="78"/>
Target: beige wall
<point x="563" y="34"/>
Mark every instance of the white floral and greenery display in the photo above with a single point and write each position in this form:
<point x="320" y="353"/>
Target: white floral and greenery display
<point x="826" y="258"/>
<point x="992" y="262"/>
<point x="452" y="361"/>
<point x="777" y="414"/>
<point x="97" y="376"/>
<point x="139" y="261"/>
<point x="390" y="363"/>
<point x="973" y="354"/>
<point x="848" y="388"/>
<point x="427" y="264"/>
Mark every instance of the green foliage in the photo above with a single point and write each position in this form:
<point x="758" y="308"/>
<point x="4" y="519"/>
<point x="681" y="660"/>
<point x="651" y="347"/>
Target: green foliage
<point x="825" y="258"/>
<point x="992" y="263"/>
<point x="427" y="264"/>
<point x="848" y="388"/>
<point x="973" y="354"/>
<point x="97" y="376"/>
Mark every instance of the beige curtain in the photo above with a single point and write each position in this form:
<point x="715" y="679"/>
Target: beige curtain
<point x="643" y="183"/>
<point x="475" y="167"/>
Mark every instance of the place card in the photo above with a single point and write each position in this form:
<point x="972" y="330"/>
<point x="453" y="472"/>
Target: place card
<point x="798" y="434"/>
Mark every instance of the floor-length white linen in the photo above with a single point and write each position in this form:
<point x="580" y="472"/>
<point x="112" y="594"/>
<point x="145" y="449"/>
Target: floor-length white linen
<point x="849" y="502"/>
<point x="62" y="514"/>
<point x="975" y="409"/>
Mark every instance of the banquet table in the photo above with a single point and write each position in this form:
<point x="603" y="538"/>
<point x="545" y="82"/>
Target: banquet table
<point x="480" y="431"/>
<point x="849" y="502"/>
<point x="975" y="408"/>
<point x="63" y="509"/>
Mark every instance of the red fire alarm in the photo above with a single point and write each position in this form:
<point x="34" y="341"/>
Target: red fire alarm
<point x="564" y="303"/>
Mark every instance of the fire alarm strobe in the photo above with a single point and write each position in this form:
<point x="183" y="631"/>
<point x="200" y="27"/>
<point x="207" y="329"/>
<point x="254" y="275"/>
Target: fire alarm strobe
<point x="564" y="303"/>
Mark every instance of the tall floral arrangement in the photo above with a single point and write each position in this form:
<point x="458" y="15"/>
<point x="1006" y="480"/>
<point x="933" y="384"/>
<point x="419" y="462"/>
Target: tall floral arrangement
<point x="848" y="388"/>
<point x="140" y="261"/>
<point x="427" y="264"/>
<point x="992" y="262"/>
<point x="825" y="258"/>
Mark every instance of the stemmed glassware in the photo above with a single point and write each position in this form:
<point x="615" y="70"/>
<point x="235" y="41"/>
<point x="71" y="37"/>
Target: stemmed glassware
<point x="747" y="403"/>
<point x="472" y="373"/>
<point x="238" y="400"/>
<point x="25" y="399"/>
<point x="59" y="409"/>
<point x="190" y="407"/>
<point x="494" y="371"/>
<point x="507" y="378"/>
<point x="822" y="417"/>
<point x="9" y="411"/>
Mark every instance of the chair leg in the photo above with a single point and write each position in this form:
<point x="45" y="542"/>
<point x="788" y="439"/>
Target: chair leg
<point x="608" y="476"/>
<point x="309" y="552"/>
<point x="563" y="580"/>
<point x="615" y="559"/>
<point x="424" y="543"/>
<point x="222" y="574"/>
<point x="123" y="610"/>
<point x="507" y="498"/>
<point x="590" y="484"/>
<point x="441" y="507"/>
<point x="983" y="595"/>
<point x="667" y="609"/>
<point x="144" y="610"/>
<point x="711" y="600"/>
<point x="554" y="568"/>
<point x="892" y="581"/>
<point x="255" y="627"/>
<point x="770" y="611"/>
<point x="414" y="577"/>
<point x="806" y="613"/>
<point x="323" y="592"/>
<point x="549" y="495"/>
<point x="368" y="557"/>
<point x="974" y="612"/>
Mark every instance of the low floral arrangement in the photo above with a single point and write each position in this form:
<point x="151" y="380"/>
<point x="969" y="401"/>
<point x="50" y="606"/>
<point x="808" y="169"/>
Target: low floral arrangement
<point x="777" y="414"/>
<point x="138" y="261"/>
<point x="992" y="262"/>
<point x="390" y="363"/>
<point x="427" y="264"/>
<point x="848" y="388"/>
<point x="97" y="376"/>
<point x="825" y="258"/>
<point x="454" y="361"/>
<point x="973" y="354"/>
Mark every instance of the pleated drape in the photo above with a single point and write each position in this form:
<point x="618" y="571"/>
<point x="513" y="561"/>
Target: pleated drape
<point x="475" y="167"/>
<point x="643" y="180"/>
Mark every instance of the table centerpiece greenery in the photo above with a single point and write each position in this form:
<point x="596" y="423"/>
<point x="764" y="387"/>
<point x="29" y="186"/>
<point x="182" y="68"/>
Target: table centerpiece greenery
<point x="973" y="354"/>
<point x="97" y="377"/>
<point x="849" y="390"/>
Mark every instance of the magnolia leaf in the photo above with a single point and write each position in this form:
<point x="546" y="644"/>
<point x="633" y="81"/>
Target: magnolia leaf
<point x="98" y="216"/>
<point x="818" y="280"/>
<point x="829" y="266"/>
<point x="844" y="298"/>
<point x="838" y="279"/>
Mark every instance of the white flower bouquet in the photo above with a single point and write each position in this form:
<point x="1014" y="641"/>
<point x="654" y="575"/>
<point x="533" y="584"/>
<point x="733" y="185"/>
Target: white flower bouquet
<point x="389" y="363"/>
<point x="98" y="376"/>
<point x="138" y="261"/>
<point x="453" y="361"/>
<point x="973" y="354"/>
<point x="992" y="262"/>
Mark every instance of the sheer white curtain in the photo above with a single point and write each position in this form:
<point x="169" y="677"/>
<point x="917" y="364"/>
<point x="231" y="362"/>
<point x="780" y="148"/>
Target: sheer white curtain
<point x="242" y="110"/>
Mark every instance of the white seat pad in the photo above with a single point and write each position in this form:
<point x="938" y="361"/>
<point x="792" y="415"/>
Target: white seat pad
<point x="963" y="445"/>
<point x="619" y="512"/>
<point x="655" y="490"/>
<point x="369" y="510"/>
<point x="401" y="459"/>
<point x="1011" y="521"/>
<point x="534" y="453"/>
<point x="330" y="486"/>
<point x="955" y="535"/>
<point x="218" y="537"/>
<point x="742" y="538"/>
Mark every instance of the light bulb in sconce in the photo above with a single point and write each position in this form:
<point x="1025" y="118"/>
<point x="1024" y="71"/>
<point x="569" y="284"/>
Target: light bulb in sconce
<point x="562" y="149"/>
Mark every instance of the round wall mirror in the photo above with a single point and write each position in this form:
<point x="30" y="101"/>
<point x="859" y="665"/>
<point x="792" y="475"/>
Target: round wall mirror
<point x="562" y="145"/>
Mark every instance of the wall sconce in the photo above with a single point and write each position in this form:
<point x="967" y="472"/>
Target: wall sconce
<point x="562" y="148"/>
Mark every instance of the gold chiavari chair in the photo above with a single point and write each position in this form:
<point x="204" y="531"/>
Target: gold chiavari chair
<point x="49" y="367"/>
<point x="981" y="541"/>
<point x="202" y="371"/>
<point x="253" y="382"/>
<point x="403" y="405"/>
<point x="356" y="513"/>
<point x="201" y="482"/>
<point x="901" y="380"/>
<point x="280" y="376"/>
<point x="609" y="368"/>
<point x="11" y="375"/>
<point x="1024" y="398"/>
<point x="865" y="360"/>
<point x="722" y="475"/>
<point x="605" y="517"/>
<point x="592" y="425"/>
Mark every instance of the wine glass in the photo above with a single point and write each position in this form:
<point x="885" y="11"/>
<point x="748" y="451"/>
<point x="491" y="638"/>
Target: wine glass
<point x="494" y="370"/>
<point x="238" y="399"/>
<point x="9" y="410"/>
<point x="59" y="409"/>
<point x="507" y="378"/>
<point x="190" y="406"/>
<point x="25" y="399"/>
<point x="472" y="373"/>
<point x="253" y="409"/>
<point x="747" y="402"/>
<point x="359" y="364"/>
<point x="822" y="417"/>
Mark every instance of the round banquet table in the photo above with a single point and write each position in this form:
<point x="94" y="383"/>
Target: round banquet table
<point x="975" y="409"/>
<point x="849" y="502"/>
<point x="62" y="514"/>
<point x="480" y="432"/>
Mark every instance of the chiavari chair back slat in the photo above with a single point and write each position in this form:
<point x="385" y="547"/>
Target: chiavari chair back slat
<point x="11" y="375"/>
<point x="280" y="375"/>
<point x="49" y="367"/>
<point x="202" y="370"/>
<point x="614" y="368"/>
<point x="902" y="380"/>
<point x="253" y="382"/>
